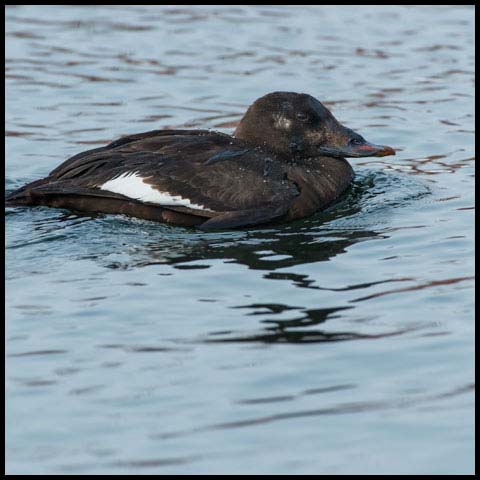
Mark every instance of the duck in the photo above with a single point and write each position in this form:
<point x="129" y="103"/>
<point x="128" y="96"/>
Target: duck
<point x="285" y="161"/>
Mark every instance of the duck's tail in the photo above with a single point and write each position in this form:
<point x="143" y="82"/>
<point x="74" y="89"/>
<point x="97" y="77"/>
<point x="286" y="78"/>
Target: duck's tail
<point x="25" y="195"/>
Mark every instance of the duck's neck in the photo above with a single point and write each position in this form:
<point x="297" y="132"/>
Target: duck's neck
<point x="320" y="181"/>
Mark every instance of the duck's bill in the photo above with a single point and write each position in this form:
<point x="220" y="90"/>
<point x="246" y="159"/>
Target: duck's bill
<point x="359" y="150"/>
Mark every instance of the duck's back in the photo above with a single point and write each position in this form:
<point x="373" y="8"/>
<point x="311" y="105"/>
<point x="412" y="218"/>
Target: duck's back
<point x="200" y="173"/>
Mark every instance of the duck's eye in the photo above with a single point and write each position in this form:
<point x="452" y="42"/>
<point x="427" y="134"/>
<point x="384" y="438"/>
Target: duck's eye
<point x="356" y="141"/>
<point x="302" y="116"/>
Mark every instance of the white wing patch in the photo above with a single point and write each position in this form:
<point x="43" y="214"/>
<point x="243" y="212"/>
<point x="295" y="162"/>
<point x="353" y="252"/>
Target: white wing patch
<point x="132" y="185"/>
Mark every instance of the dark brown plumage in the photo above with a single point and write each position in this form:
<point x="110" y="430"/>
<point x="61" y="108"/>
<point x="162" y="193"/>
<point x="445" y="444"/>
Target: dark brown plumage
<point x="284" y="162"/>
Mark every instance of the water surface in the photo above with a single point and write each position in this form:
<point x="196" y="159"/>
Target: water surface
<point x="337" y="344"/>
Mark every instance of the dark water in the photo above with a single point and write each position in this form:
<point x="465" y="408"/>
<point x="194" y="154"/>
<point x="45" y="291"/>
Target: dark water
<point x="340" y="344"/>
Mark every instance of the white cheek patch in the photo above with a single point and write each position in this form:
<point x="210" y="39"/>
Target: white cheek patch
<point x="282" y="122"/>
<point x="132" y="185"/>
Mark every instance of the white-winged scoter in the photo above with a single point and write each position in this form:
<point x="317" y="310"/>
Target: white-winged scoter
<point x="285" y="161"/>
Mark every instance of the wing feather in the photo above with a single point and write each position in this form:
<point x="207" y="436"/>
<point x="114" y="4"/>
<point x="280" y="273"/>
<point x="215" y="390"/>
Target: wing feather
<point x="207" y="168"/>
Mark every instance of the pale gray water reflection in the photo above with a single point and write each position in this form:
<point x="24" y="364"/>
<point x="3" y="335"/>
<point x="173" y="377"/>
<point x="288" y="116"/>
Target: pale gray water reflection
<point x="337" y="344"/>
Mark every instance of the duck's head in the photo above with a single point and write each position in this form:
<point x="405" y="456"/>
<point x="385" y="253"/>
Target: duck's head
<point x="298" y="125"/>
